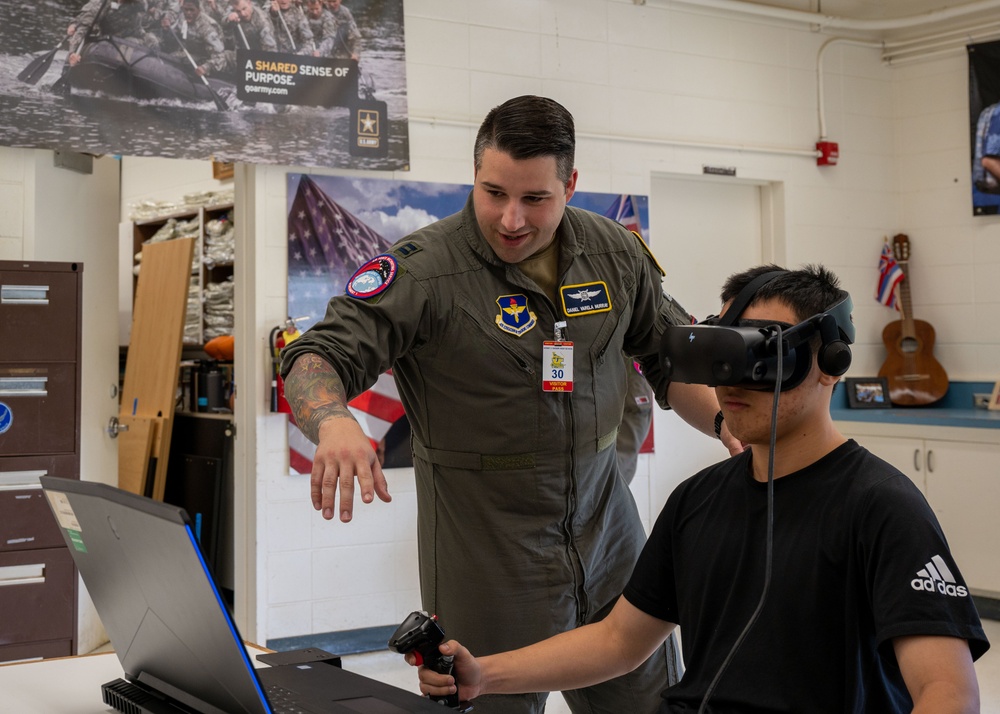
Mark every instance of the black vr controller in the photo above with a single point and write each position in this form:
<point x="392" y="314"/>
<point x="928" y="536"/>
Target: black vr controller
<point x="744" y="353"/>
<point x="421" y="634"/>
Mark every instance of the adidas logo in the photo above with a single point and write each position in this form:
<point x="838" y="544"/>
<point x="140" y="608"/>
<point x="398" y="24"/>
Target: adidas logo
<point x="937" y="577"/>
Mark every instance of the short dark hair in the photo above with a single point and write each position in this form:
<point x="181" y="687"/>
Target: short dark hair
<point x="808" y="291"/>
<point x="527" y="127"/>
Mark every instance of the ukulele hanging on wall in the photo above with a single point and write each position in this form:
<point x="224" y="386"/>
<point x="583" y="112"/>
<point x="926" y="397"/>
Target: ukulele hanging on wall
<point x="915" y="377"/>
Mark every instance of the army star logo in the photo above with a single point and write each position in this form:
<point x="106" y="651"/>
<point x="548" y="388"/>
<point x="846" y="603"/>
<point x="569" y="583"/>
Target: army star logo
<point x="367" y="121"/>
<point x="515" y="317"/>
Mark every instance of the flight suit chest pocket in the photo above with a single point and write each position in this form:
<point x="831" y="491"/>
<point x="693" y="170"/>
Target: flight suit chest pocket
<point x="608" y="373"/>
<point x="602" y="336"/>
<point x="499" y="355"/>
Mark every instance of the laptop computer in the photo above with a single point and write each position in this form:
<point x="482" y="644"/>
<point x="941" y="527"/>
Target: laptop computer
<point x="174" y="636"/>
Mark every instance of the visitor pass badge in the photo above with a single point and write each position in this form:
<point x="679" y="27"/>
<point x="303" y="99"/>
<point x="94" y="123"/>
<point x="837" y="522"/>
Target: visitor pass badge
<point x="557" y="366"/>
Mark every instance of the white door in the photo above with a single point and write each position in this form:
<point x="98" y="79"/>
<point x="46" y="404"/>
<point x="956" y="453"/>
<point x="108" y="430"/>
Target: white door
<point x="701" y="231"/>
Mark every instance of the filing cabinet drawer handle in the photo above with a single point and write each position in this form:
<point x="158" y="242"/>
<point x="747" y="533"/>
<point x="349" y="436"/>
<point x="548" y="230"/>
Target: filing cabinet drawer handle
<point x="20" y="480"/>
<point x="24" y="294"/>
<point x="23" y="386"/>
<point x="33" y="574"/>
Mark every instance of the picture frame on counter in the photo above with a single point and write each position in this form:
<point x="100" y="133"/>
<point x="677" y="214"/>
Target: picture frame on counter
<point x="994" y="403"/>
<point x="868" y="392"/>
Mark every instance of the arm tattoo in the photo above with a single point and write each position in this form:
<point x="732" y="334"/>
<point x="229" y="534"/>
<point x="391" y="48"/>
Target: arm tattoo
<point x="315" y="393"/>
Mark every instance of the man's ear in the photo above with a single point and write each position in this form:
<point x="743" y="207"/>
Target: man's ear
<point x="827" y="380"/>
<point x="571" y="185"/>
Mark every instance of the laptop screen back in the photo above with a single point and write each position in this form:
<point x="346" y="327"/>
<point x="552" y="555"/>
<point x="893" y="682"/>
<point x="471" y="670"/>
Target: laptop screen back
<point x="154" y="594"/>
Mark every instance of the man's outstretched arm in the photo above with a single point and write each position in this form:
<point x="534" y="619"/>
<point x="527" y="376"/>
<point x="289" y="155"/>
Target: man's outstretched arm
<point x="318" y="400"/>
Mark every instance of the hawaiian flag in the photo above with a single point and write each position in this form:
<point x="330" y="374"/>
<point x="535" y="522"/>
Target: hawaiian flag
<point x="889" y="276"/>
<point x="326" y="244"/>
<point x="623" y="210"/>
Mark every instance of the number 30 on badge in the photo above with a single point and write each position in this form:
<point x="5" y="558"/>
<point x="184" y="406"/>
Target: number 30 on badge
<point x="557" y="366"/>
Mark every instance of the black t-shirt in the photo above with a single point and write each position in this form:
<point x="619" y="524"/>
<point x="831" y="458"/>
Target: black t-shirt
<point x="858" y="559"/>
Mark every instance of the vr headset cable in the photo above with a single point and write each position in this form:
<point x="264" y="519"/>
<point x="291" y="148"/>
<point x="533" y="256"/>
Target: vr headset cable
<point x="769" y="540"/>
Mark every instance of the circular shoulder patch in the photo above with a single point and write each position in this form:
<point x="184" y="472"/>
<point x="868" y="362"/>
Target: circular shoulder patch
<point x="373" y="278"/>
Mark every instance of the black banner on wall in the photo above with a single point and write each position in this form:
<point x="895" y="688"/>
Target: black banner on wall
<point x="284" y="78"/>
<point x="229" y="80"/>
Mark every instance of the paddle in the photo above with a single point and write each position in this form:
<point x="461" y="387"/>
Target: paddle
<point x="60" y="85"/>
<point x="239" y="26"/>
<point x="37" y="68"/>
<point x="291" y="40"/>
<point x="219" y="104"/>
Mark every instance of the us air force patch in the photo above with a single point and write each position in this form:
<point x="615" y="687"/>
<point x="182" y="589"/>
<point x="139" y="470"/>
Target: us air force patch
<point x="515" y="317"/>
<point x="373" y="278"/>
<point x="585" y="299"/>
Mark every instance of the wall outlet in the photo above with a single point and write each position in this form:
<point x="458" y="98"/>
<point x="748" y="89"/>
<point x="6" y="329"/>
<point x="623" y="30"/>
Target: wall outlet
<point x="981" y="401"/>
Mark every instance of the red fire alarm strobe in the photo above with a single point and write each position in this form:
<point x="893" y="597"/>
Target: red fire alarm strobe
<point x="829" y="152"/>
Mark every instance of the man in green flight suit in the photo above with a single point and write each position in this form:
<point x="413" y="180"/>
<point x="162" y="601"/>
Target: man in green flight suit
<point x="504" y="327"/>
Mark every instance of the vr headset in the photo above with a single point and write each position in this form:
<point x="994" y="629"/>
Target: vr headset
<point x="730" y="352"/>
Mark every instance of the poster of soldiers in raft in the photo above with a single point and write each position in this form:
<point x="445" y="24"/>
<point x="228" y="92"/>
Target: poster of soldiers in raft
<point x="292" y="82"/>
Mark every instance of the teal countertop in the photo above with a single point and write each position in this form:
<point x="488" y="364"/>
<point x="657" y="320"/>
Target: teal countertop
<point x="955" y="409"/>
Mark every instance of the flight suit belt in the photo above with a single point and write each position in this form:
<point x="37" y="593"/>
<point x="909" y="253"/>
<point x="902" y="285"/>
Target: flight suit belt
<point x="490" y="462"/>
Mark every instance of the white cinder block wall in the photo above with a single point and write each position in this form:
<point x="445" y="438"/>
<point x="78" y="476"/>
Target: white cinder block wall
<point x="639" y="79"/>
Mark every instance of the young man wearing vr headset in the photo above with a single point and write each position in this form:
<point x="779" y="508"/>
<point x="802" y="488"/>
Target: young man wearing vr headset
<point x="806" y="574"/>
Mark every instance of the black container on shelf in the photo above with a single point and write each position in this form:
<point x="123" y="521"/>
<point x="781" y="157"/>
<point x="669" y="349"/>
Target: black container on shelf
<point x="211" y="392"/>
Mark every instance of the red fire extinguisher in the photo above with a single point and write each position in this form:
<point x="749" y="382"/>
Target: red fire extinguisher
<point x="281" y="336"/>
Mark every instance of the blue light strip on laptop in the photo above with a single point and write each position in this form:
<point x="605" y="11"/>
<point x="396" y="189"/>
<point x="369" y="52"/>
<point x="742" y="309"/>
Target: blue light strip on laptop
<point x="229" y="621"/>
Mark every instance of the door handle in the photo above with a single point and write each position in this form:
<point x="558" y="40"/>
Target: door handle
<point x="115" y="427"/>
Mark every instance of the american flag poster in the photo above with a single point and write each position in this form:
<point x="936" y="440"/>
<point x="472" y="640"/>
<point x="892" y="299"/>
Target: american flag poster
<point x="335" y="224"/>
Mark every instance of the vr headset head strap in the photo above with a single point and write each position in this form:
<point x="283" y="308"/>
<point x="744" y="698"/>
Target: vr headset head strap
<point x="741" y="301"/>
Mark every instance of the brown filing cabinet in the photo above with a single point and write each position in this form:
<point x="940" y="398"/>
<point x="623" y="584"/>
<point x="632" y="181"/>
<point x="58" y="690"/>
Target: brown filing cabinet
<point x="40" y="341"/>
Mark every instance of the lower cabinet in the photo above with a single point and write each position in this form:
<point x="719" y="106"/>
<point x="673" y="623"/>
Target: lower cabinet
<point x="957" y="472"/>
<point x="38" y="597"/>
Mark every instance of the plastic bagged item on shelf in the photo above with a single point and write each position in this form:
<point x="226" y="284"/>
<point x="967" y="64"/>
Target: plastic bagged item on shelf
<point x="218" y="297"/>
<point x="220" y="241"/>
<point x="147" y="209"/>
<point x="192" y="316"/>
<point x="168" y="231"/>
<point x="208" y="198"/>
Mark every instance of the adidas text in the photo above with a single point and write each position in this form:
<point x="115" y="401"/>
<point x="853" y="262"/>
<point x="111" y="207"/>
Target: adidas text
<point x="938" y="586"/>
<point x="936" y="576"/>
